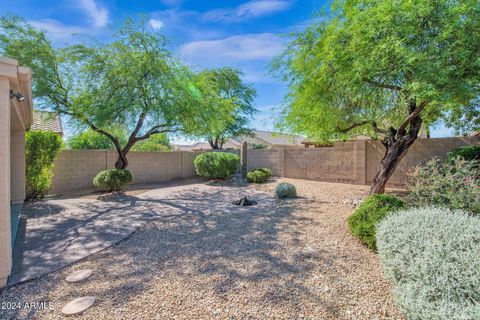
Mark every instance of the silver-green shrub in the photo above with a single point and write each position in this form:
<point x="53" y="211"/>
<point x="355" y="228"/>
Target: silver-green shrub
<point x="285" y="190"/>
<point x="432" y="256"/>
<point x="454" y="184"/>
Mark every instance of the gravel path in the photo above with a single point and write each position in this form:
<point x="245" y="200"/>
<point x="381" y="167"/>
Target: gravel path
<point x="290" y="260"/>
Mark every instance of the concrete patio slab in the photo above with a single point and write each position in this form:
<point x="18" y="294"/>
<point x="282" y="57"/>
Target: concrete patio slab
<point x="57" y="232"/>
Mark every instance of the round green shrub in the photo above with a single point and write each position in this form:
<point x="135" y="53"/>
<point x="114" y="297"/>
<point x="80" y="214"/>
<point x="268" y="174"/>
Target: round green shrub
<point x="432" y="256"/>
<point x="266" y="171"/>
<point x="216" y="165"/>
<point x="113" y="180"/>
<point x="256" y="176"/>
<point x="285" y="190"/>
<point x="371" y="211"/>
<point x="466" y="152"/>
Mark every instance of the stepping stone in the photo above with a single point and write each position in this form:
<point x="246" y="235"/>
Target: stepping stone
<point x="79" y="275"/>
<point x="78" y="305"/>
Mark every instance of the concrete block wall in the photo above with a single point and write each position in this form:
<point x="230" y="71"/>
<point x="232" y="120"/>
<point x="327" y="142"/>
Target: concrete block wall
<point x="74" y="170"/>
<point x="351" y="162"/>
<point x="265" y="158"/>
<point x="335" y="164"/>
<point x="348" y="162"/>
<point x="420" y="152"/>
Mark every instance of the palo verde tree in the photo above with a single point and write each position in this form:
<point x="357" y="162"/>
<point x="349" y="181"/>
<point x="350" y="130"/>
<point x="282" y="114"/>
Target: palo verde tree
<point x="133" y="82"/>
<point x="231" y="98"/>
<point x="382" y="68"/>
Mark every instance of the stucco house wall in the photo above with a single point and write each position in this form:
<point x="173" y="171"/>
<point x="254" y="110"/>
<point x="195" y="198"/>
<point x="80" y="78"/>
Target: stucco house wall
<point x="15" y="118"/>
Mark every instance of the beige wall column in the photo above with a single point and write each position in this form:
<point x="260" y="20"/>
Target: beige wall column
<point x="281" y="162"/>
<point x="17" y="150"/>
<point x="360" y="161"/>
<point x="5" y="229"/>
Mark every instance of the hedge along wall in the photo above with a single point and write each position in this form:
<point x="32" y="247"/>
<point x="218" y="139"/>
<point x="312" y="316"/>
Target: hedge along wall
<point x="348" y="162"/>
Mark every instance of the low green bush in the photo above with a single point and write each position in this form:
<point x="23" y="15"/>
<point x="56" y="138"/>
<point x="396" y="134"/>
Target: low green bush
<point x="432" y="256"/>
<point x="466" y="152"/>
<point x="453" y="184"/>
<point x="41" y="150"/>
<point x="216" y="165"/>
<point x="113" y="180"/>
<point x="285" y="190"/>
<point x="266" y="171"/>
<point x="256" y="176"/>
<point x="371" y="211"/>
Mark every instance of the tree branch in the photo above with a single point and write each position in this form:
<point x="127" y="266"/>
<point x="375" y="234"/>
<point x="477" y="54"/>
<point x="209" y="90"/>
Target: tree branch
<point x="383" y="85"/>
<point x="156" y="130"/>
<point x="413" y="114"/>
<point x="377" y="129"/>
<point x="353" y="126"/>
<point x="92" y="126"/>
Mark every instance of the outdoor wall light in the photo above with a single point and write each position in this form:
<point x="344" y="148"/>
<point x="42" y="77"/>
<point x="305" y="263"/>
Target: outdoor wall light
<point x="20" y="97"/>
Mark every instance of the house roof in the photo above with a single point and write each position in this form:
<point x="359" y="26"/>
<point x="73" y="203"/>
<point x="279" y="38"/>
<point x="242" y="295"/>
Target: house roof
<point x="47" y="121"/>
<point x="259" y="137"/>
<point x="270" y="138"/>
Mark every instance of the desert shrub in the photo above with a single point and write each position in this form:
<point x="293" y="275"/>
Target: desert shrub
<point x="266" y="171"/>
<point x="432" y="256"/>
<point x="466" y="152"/>
<point x="216" y="165"/>
<point x="454" y="184"/>
<point x="256" y="176"/>
<point x="285" y="190"/>
<point x="113" y="180"/>
<point x="371" y="211"/>
<point x="41" y="150"/>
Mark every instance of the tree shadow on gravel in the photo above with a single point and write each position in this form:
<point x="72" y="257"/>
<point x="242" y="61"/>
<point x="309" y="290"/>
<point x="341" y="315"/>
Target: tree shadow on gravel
<point x="214" y="246"/>
<point x="198" y="235"/>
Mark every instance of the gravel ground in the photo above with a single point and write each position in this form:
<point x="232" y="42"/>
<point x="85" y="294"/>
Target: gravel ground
<point x="297" y="261"/>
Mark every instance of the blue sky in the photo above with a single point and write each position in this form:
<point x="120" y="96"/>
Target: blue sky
<point x="210" y="33"/>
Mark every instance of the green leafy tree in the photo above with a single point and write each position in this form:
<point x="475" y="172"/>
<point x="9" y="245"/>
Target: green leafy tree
<point x="232" y="100"/>
<point x="91" y="140"/>
<point x="158" y="142"/>
<point x="133" y="82"/>
<point x="41" y="150"/>
<point x="382" y="68"/>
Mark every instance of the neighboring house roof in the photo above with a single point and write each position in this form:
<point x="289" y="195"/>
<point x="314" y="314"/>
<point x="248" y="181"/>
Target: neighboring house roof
<point x="47" y="121"/>
<point x="270" y="138"/>
<point x="259" y="137"/>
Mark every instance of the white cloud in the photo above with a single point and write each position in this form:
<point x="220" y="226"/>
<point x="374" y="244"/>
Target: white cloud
<point x="56" y="30"/>
<point x="155" y="24"/>
<point x="97" y="14"/>
<point x="251" y="53"/>
<point x="263" y="46"/>
<point x="184" y="25"/>
<point x="248" y="10"/>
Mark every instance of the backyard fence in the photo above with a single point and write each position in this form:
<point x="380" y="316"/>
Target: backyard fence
<point x="346" y="162"/>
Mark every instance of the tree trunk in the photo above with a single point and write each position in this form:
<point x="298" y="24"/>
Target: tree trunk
<point x="122" y="162"/>
<point x="214" y="143"/>
<point x="396" y="144"/>
<point x="393" y="155"/>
